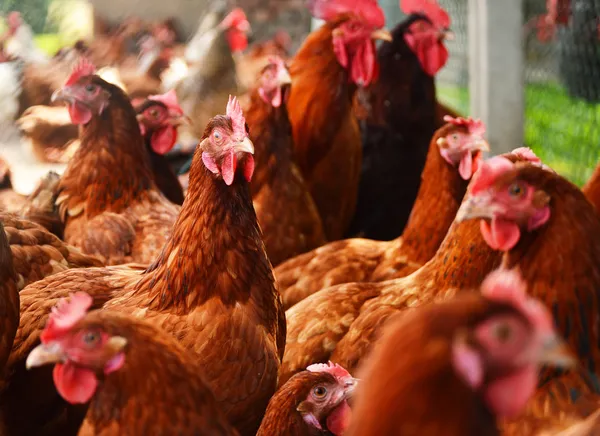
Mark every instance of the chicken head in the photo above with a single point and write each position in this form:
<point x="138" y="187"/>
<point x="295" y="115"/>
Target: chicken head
<point x="461" y="143"/>
<point x="225" y="143"/>
<point x="272" y="81"/>
<point x="82" y="93"/>
<point x="506" y="201"/>
<point x="80" y="351"/>
<point x="501" y="355"/>
<point x="326" y="404"/>
<point x="160" y="115"/>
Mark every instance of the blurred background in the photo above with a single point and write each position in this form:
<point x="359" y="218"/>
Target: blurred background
<point x="551" y="74"/>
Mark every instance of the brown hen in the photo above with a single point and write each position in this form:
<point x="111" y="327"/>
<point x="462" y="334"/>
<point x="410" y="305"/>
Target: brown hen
<point x="286" y="212"/>
<point x="121" y="354"/>
<point x="107" y="198"/>
<point x="325" y="72"/>
<point x="212" y="287"/>
<point x="454" y="153"/>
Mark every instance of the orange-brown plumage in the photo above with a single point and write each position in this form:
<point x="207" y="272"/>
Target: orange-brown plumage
<point x="415" y="382"/>
<point x="212" y="287"/>
<point x="286" y="212"/>
<point x="37" y="253"/>
<point x="158" y="390"/>
<point x="365" y="260"/>
<point x="592" y="188"/>
<point x="340" y="323"/>
<point x="9" y="302"/>
<point x="327" y="143"/>
<point x="107" y="196"/>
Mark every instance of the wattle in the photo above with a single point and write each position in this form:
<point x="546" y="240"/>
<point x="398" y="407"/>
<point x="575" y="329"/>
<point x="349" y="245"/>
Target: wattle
<point x="508" y="396"/>
<point x="79" y="113"/>
<point x="339" y="419"/>
<point x="500" y="234"/>
<point x="363" y="65"/>
<point x="75" y="384"/>
<point x="163" y="140"/>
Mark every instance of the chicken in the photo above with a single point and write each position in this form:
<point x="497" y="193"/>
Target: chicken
<point x="464" y="363"/>
<point x="37" y="253"/>
<point x="10" y="201"/>
<point x="107" y="198"/>
<point x="401" y="118"/>
<point x="454" y="154"/>
<point x="109" y="358"/>
<point x="19" y="41"/>
<point x="313" y="402"/>
<point x="543" y="224"/>
<point x="592" y="188"/>
<point x="40" y="208"/>
<point x="212" y="288"/>
<point x="341" y="322"/>
<point x="208" y="74"/>
<point x="9" y="302"/>
<point x="286" y="212"/>
<point x="325" y="72"/>
<point x="250" y="64"/>
<point x="159" y="116"/>
<point x="48" y="129"/>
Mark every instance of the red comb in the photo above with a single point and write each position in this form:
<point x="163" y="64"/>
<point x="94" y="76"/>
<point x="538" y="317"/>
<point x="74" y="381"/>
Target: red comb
<point x="169" y="99"/>
<point x="332" y="368"/>
<point x="83" y="68"/>
<point x="430" y="8"/>
<point x="328" y="10"/>
<point x="475" y="127"/>
<point x="236" y="17"/>
<point x="488" y="172"/>
<point x="67" y="312"/>
<point x="507" y="286"/>
<point x="234" y="111"/>
<point x="527" y="154"/>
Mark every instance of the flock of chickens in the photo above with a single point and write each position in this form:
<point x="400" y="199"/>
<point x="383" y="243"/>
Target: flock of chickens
<point x="330" y="255"/>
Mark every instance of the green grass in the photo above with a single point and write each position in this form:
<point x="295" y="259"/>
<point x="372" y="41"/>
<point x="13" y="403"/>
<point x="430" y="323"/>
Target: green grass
<point x="563" y="132"/>
<point x="50" y="43"/>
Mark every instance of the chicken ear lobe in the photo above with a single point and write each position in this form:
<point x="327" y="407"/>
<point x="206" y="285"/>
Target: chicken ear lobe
<point x="305" y="409"/>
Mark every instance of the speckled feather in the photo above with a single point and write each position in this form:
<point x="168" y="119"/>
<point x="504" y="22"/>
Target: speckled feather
<point x="365" y="260"/>
<point x="327" y="142"/>
<point x="159" y="390"/>
<point x="286" y="212"/>
<point x="107" y="197"/>
<point x="37" y="253"/>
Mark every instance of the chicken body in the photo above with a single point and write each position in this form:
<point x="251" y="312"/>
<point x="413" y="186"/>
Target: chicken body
<point x="364" y="260"/>
<point x="107" y="196"/>
<point x="212" y="288"/>
<point x="9" y="302"/>
<point x="592" y="188"/>
<point x="326" y="134"/>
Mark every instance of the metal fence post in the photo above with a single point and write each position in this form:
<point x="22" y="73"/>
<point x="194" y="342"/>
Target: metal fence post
<point x="496" y="70"/>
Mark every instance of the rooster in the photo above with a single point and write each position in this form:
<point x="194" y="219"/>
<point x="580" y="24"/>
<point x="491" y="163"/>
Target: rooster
<point x="464" y="363"/>
<point x="107" y="197"/>
<point x="454" y="154"/>
<point x="326" y="71"/>
<point x="401" y="117"/>
<point x="286" y="212"/>
<point x="108" y="358"/>
<point x="211" y="287"/>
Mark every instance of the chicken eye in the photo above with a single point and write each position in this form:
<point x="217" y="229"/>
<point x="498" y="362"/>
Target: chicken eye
<point x="516" y="190"/>
<point x="217" y="135"/>
<point x="503" y="333"/>
<point x="320" y="391"/>
<point x="91" y="338"/>
<point x="154" y="113"/>
<point x="90" y="88"/>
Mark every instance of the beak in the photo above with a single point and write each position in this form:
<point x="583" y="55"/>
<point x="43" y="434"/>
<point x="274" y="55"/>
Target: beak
<point x="180" y="120"/>
<point x="245" y="146"/>
<point x="447" y="35"/>
<point x="350" y="387"/>
<point x="116" y="344"/>
<point x="474" y="207"/>
<point x="284" y="78"/>
<point x="482" y="145"/>
<point x="45" y="354"/>
<point x="63" y="94"/>
<point x="382" y="34"/>
<point x="555" y="352"/>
